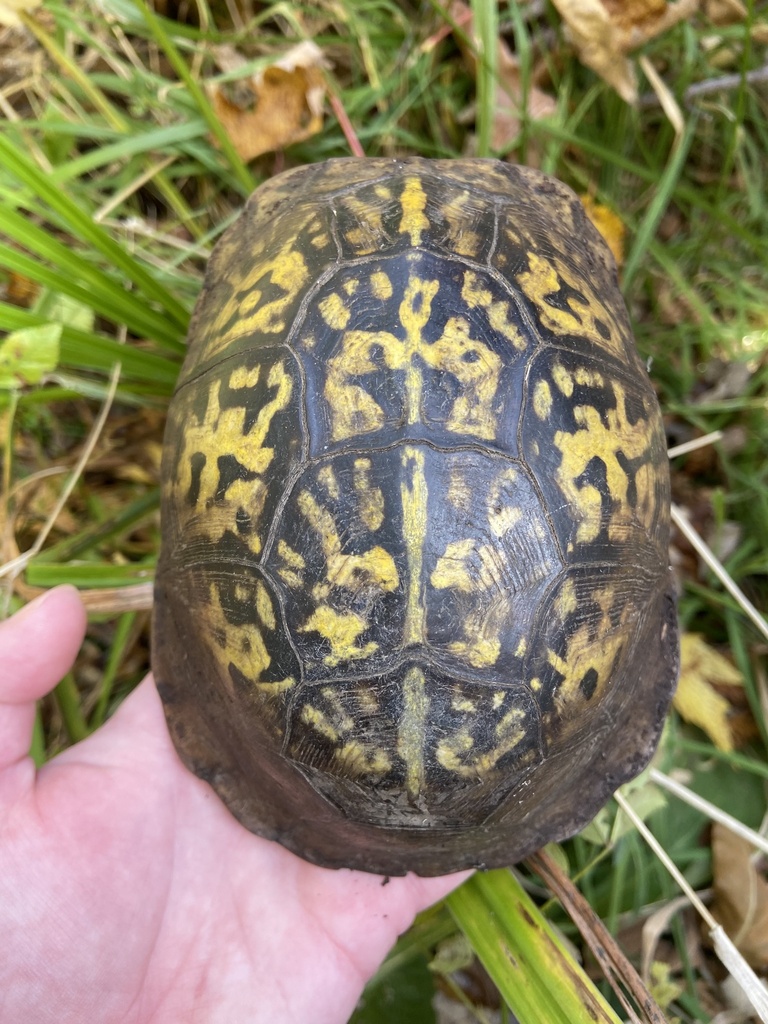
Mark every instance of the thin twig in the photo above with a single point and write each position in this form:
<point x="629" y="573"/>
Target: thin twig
<point x="680" y="520"/>
<point x="708" y="86"/>
<point x="615" y="966"/>
<point x="724" y="948"/>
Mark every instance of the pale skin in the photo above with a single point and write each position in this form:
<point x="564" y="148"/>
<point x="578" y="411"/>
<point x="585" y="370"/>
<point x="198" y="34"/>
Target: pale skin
<point x="128" y="894"/>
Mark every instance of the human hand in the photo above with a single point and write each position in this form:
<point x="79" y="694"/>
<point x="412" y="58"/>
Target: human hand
<point x="129" y="894"/>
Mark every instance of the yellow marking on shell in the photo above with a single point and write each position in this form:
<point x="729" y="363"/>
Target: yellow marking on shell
<point x="459" y="491"/>
<point x="354" y="756"/>
<point x="242" y="592"/>
<point x="222" y="432"/>
<point x="557" y="663"/>
<point x="264" y="608"/>
<point x="453" y="569"/>
<point x="566" y="602"/>
<point x="244" y="648"/>
<point x="242" y="377"/>
<point x="413" y="495"/>
<point x="370" y="500"/>
<point x="459" y="703"/>
<point x="327" y="478"/>
<point x="307" y="341"/>
<point x="247" y="312"/>
<point x="502" y="517"/>
<point x="589" y="378"/>
<point x="605" y="599"/>
<point x="293" y="558"/>
<point x="412" y="730"/>
<point x="360" y="759"/>
<point x="353" y="410"/>
<point x="522" y="647"/>
<point x="453" y="752"/>
<point x="321" y="240"/>
<point x="587" y="651"/>
<point x="367" y="236"/>
<point x="276" y="688"/>
<point x="351" y="285"/>
<point x="475" y="366"/>
<point x="498" y="699"/>
<point x="382" y="192"/>
<point x="342" y="719"/>
<point x="472" y="411"/>
<point x="535" y="684"/>
<point x="381" y="286"/>
<point x="374" y="567"/>
<point x="469" y="567"/>
<point x="413" y="202"/>
<point x="606" y="442"/>
<point x="341" y="630"/>
<point x="476" y="295"/>
<point x="464" y="241"/>
<point x="335" y="311"/>
<point x="369" y="701"/>
<point x="545" y="278"/>
<point x="319" y="722"/>
<point x="542" y="399"/>
<point x="292" y="571"/>
<point x="415" y="311"/>
<point x="563" y="379"/>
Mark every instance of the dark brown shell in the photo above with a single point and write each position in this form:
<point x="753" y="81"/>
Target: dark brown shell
<point x="413" y="607"/>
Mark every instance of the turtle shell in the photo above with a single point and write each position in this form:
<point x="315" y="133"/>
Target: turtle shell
<point x="413" y="610"/>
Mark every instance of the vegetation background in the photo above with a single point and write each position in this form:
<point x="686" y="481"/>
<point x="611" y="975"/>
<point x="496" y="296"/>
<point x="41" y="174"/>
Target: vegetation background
<point x="132" y="135"/>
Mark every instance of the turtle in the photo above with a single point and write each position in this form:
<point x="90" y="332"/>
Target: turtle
<point x="413" y="605"/>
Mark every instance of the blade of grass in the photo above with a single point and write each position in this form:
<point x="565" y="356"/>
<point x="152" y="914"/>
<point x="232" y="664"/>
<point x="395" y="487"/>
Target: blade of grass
<point x="141" y="322"/>
<point x="662" y="197"/>
<point x="119" y="642"/>
<point x="113" y="116"/>
<point x="77" y="277"/>
<point x="536" y="975"/>
<point x="85" y="229"/>
<point x="486" y="34"/>
<point x="166" y="44"/>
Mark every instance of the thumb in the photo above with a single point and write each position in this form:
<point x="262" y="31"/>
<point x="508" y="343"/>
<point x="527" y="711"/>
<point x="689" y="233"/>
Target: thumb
<point x="37" y="647"/>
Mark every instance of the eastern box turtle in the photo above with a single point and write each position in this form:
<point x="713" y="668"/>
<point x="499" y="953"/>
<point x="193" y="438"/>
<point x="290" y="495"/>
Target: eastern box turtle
<point x="413" y="608"/>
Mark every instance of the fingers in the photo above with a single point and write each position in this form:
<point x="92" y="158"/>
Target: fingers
<point x="37" y="647"/>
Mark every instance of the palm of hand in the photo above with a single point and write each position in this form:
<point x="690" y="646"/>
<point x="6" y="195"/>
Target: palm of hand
<point x="129" y="894"/>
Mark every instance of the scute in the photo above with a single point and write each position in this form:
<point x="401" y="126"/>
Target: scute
<point x="413" y="605"/>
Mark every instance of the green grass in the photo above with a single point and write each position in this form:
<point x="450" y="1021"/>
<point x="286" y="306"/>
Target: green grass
<point x="116" y="179"/>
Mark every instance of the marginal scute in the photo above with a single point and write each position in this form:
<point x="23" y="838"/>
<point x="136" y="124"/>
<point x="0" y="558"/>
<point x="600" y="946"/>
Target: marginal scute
<point x="413" y="604"/>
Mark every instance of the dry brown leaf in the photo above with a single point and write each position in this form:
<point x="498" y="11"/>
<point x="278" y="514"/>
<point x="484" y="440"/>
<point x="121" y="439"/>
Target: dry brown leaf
<point x="603" y="32"/>
<point x="741" y="894"/>
<point x="609" y="224"/>
<point x="509" y="92"/>
<point x="725" y="12"/>
<point x="702" y="669"/>
<point x="281" y="105"/>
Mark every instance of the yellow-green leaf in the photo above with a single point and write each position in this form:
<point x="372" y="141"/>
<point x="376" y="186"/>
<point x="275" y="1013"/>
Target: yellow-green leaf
<point x="28" y="354"/>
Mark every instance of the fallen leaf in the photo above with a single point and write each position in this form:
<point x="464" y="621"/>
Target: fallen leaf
<point x="603" y="32"/>
<point x="9" y="11"/>
<point x="697" y="699"/>
<point x="26" y="355"/>
<point x="609" y="224"/>
<point x="725" y="12"/>
<point x="281" y="105"/>
<point x="741" y="894"/>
